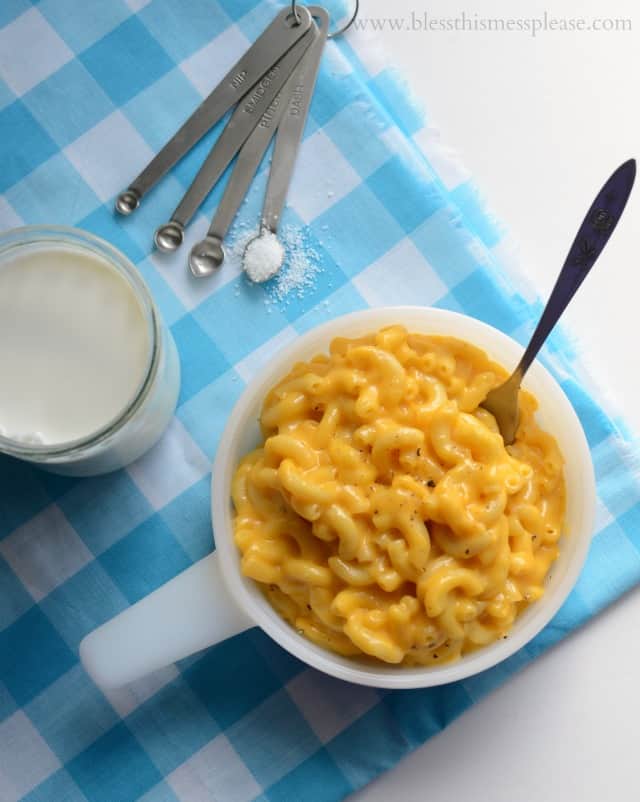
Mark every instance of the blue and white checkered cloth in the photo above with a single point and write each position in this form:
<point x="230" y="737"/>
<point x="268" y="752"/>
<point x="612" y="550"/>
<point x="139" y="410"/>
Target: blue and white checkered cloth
<point x="89" y="91"/>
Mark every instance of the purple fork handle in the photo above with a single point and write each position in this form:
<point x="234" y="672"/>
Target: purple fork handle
<point x="593" y="235"/>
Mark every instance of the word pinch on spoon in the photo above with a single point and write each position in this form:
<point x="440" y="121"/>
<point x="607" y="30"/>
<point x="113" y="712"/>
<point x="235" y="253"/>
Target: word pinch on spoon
<point x="592" y="236"/>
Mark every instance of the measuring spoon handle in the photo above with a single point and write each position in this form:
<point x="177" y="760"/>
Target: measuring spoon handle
<point x="270" y="46"/>
<point x="597" y="226"/>
<point x="244" y="119"/>
<point x="247" y="163"/>
<point x="242" y="122"/>
<point x="291" y="127"/>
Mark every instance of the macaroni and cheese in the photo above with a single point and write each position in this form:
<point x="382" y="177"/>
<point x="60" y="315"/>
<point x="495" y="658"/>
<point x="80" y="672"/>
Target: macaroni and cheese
<point x="383" y="515"/>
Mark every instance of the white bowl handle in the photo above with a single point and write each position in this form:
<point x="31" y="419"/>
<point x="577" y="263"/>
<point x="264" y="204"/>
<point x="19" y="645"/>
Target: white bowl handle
<point x="192" y="611"/>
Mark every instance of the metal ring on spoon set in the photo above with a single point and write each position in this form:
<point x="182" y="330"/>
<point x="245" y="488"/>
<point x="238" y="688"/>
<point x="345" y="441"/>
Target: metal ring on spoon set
<point x="340" y="31"/>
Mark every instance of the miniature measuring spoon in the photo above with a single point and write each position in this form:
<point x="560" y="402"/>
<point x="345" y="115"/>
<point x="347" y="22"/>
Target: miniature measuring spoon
<point x="593" y="235"/>
<point x="208" y="255"/>
<point x="261" y="57"/>
<point x="287" y="145"/>
<point x="244" y="119"/>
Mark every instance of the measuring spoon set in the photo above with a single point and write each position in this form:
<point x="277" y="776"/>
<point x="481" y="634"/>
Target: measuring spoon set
<point x="271" y="87"/>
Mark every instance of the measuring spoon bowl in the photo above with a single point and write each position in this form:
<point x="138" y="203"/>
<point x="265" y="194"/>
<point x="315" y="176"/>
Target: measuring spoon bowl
<point x="206" y="257"/>
<point x="127" y="202"/>
<point x="169" y="236"/>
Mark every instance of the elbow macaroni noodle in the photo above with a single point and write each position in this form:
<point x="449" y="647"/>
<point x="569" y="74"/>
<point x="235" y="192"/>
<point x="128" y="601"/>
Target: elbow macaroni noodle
<point x="383" y="516"/>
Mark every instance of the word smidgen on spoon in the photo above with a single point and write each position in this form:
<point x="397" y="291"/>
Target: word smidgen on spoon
<point x="256" y="62"/>
<point x="593" y="235"/>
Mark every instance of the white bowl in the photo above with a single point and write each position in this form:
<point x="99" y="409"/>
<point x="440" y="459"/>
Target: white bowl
<point x="556" y="415"/>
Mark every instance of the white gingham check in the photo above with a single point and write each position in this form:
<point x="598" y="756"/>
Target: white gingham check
<point x="89" y="92"/>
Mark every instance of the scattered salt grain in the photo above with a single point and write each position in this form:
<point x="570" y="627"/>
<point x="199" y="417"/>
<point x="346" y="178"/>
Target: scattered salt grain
<point x="300" y="267"/>
<point x="299" y="272"/>
<point x="263" y="257"/>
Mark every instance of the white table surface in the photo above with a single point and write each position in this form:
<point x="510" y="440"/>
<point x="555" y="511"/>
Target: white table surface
<point x="541" y="122"/>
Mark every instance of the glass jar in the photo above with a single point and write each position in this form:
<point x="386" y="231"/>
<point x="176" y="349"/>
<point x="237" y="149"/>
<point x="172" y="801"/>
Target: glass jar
<point x="139" y="425"/>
